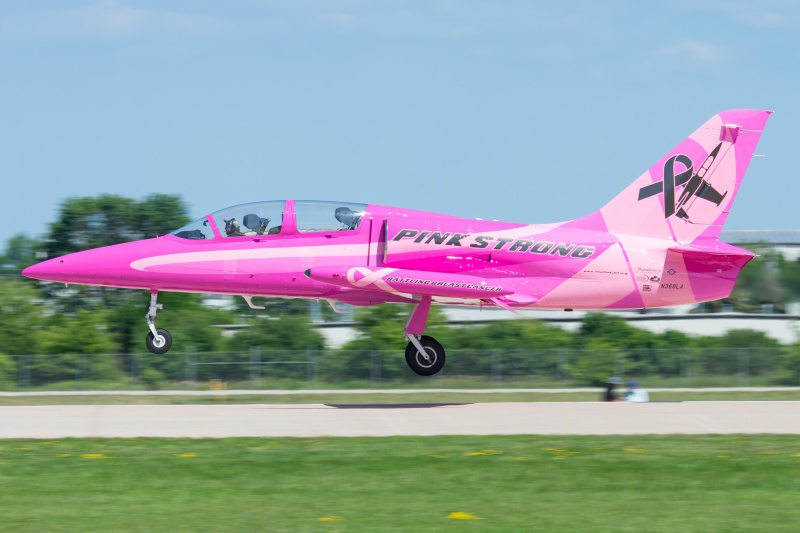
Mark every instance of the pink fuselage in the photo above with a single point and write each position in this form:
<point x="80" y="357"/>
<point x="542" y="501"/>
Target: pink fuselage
<point x="396" y="255"/>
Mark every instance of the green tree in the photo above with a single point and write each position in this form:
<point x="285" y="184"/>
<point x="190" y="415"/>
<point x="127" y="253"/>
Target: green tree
<point x="790" y="363"/>
<point x="289" y="338"/>
<point x="20" y="253"/>
<point x="789" y="274"/>
<point x="646" y="352"/>
<point x="530" y="347"/>
<point x="8" y="372"/>
<point x="75" y="347"/>
<point x="92" y="222"/>
<point x="739" y="350"/>
<point x="381" y="327"/>
<point x="22" y="313"/>
<point x="617" y="331"/>
<point x="599" y="360"/>
<point x="277" y="335"/>
<point x="760" y="282"/>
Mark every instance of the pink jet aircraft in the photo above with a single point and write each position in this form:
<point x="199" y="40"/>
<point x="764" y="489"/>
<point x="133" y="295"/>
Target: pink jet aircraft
<point x="655" y="244"/>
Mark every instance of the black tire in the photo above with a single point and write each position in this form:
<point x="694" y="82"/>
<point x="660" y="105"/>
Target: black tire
<point x="151" y="342"/>
<point x="420" y="365"/>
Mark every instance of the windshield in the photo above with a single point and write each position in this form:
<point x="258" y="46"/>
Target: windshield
<point x="262" y="218"/>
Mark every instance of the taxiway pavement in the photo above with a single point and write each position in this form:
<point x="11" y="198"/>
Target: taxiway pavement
<point x="381" y="420"/>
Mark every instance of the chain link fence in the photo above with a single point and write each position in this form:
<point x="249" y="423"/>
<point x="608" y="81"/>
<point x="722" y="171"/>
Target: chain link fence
<point x="262" y="369"/>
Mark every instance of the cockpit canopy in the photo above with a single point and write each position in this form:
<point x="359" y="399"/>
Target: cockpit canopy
<point x="269" y="218"/>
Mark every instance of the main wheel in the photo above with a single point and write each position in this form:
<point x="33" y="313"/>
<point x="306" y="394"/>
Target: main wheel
<point x="160" y="344"/>
<point x="430" y="362"/>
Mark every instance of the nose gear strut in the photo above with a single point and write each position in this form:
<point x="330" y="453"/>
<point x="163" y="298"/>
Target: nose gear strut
<point x="158" y="341"/>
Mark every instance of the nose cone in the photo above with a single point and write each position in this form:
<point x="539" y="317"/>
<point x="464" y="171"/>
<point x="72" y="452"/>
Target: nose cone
<point x="43" y="270"/>
<point x="81" y="267"/>
<point x="102" y="266"/>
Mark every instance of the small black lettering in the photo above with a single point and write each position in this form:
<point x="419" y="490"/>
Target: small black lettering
<point x="405" y="233"/>
<point x="562" y="249"/>
<point x="437" y="237"/>
<point x="480" y="242"/>
<point x="582" y="252"/>
<point x="421" y="236"/>
<point x="455" y="240"/>
<point x="501" y="241"/>
<point x="521" y="245"/>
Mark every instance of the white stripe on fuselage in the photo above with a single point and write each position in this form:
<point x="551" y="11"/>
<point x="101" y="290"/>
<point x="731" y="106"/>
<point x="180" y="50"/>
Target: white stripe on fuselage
<point x="284" y="252"/>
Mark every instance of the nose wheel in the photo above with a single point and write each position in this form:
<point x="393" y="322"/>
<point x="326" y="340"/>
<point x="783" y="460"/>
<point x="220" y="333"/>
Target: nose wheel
<point x="158" y="341"/>
<point x="424" y="355"/>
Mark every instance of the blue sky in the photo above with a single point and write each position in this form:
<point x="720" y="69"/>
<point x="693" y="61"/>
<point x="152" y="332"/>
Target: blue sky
<point x="518" y="111"/>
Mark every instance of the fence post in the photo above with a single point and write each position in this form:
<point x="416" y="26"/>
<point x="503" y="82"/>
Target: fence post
<point x="255" y="367"/>
<point x="561" y="365"/>
<point x="375" y="368"/>
<point x="619" y="364"/>
<point x="191" y="367"/>
<point x="24" y="372"/>
<point x="311" y="367"/>
<point x="744" y="367"/>
<point x="497" y="367"/>
<point x="81" y="362"/>
<point x="132" y="371"/>
<point x="684" y="368"/>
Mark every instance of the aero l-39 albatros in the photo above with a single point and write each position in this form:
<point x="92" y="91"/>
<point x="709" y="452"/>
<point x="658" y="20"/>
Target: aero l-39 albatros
<point x="655" y="244"/>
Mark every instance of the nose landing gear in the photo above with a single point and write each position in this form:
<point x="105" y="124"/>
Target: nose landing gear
<point x="158" y="341"/>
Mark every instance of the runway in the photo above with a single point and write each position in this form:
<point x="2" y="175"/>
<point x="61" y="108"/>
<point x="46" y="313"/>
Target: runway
<point x="317" y="420"/>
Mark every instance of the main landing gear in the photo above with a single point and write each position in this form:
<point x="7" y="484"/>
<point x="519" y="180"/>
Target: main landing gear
<point x="159" y="340"/>
<point x="424" y="355"/>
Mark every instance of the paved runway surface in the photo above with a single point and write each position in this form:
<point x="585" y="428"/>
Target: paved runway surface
<point x="541" y="418"/>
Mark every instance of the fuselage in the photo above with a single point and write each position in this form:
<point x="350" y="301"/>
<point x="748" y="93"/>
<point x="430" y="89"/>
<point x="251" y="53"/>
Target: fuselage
<point x="369" y="254"/>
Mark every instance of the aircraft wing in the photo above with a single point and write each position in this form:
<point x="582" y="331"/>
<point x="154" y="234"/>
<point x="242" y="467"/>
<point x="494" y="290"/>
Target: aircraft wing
<point x="397" y="280"/>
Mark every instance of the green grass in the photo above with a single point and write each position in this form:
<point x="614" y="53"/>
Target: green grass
<point x="417" y="397"/>
<point x="515" y="483"/>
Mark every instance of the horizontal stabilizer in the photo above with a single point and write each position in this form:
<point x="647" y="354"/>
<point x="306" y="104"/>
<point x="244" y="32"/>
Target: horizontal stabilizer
<point x="712" y="248"/>
<point x="703" y="271"/>
<point x="408" y="281"/>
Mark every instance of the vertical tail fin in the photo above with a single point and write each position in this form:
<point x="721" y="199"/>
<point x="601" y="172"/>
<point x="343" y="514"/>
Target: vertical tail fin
<point x="689" y="192"/>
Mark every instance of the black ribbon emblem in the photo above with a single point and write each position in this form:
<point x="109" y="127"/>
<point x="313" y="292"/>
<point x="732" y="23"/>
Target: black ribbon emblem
<point x="694" y="184"/>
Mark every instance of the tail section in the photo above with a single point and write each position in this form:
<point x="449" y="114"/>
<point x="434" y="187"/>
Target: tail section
<point x="689" y="192"/>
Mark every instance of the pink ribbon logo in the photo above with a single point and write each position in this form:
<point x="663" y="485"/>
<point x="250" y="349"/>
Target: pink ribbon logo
<point x="370" y="278"/>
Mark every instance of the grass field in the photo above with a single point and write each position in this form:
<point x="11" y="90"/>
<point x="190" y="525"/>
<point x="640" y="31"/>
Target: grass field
<point x="518" y="483"/>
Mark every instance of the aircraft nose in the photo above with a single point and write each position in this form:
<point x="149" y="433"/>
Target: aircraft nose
<point x="65" y="269"/>
<point x="101" y="266"/>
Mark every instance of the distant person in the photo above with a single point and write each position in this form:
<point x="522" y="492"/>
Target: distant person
<point x="636" y="393"/>
<point x="610" y="395"/>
